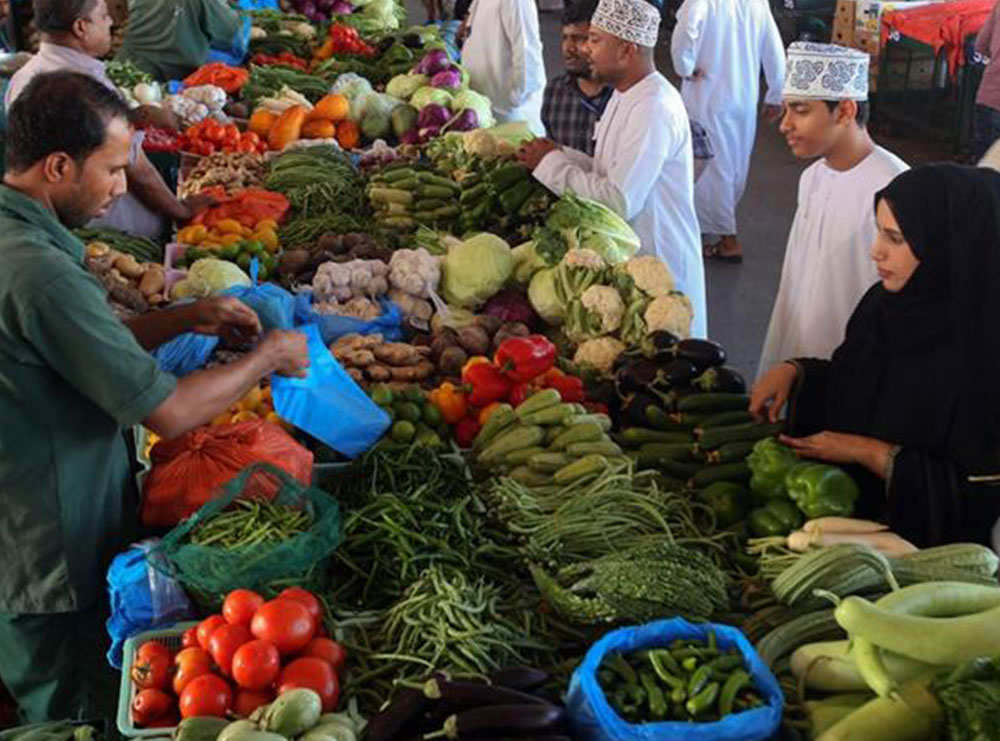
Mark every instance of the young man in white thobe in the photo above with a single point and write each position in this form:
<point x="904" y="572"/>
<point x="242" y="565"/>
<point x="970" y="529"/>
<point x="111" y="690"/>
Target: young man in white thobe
<point x="827" y="266"/>
<point x="503" y="56"/>
<point x="642" y="166"/>
<point x="719" y="48"/>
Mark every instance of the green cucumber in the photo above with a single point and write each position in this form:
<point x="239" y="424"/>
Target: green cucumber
<point x="633" y="437"/>
<point x="726" y="419"/>
<point x="738" y="472"/>
<point x="717" y="436"/>
<point x="717" y="402"/>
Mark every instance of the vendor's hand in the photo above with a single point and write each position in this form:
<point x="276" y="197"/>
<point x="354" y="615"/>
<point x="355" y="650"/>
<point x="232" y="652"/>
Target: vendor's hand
<point x="770" y="394"/>
<point x="838" y="447"/>
<point x="771" y="113"/>
<point x="235" y="323"/>
<point x="532" y="153"/>
<point x="196" y="203"/>
<point x="287" y="352"/>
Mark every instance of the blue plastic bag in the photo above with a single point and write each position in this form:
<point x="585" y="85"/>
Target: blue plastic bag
<point x="332" y="327"/>
<point x="236" y="52"/>
<point x="258" y="4"/>
<point x="275" y="307"/>
<point x="593" y="718"/>
<point x="185" y="353"/>
<point x="328" y="404"/>
<point x="142" y="597"/>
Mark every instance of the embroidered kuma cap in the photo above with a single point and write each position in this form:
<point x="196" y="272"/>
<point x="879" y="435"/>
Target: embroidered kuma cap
<point x="826" y="72"/>
<point x="635" y="21"/>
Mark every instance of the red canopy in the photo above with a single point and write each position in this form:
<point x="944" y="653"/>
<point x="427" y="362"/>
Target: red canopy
<point x="943" y="25"/>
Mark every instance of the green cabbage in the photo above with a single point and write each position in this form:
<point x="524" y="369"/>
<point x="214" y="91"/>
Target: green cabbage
<point x="427" y="95"/>
<point x="594" y="226"/>
<point x="209" y="276"/>
<point x="544" y="298"/>
<point x="475" y="270"/>
<point x="470" y="99"/>
<point x="404" y="86"/>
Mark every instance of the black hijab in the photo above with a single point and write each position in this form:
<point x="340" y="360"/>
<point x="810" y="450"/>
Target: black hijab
<point x="950" y="217"/>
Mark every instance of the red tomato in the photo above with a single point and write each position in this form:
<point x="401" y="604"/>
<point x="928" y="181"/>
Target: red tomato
<point x="256" y="665"/>
<point x="285" y="623"/>
<point x="246" y="701"/>
<point x="149" y="705"/>
<point x="207" y="695"/>
<point x="240" y="605"/>
<point x="152" y="673"/>
<point x="190" y="638"/>
<point x="251" y="137"/>
<point x="213" y="132"/>
<point x="191" y="664"/>
<point x="314" y="674"/>
<point x="154" y="648"/>
<point x="330" y="651"/>
<point x="223" y="644"/>
<point x="170" y="720"/>
<point x="308" y="599"/>
<point x="206" y="627"/>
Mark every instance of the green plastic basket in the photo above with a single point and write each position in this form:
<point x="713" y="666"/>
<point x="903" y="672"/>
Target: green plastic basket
<point x="171" y="638"/>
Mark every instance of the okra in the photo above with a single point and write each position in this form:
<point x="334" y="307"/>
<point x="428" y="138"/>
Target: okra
<point x="587" y="466"/>
<point x="511" y="440"/>
<point x="655" y="700"/>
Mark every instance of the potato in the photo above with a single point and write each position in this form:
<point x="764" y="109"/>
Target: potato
<point x="452" y="360"/>
<point x="129" y="267"/>
<point x="474" y="340"/>
<point x="153" y="281"/>
<point x="378" y="372"/>
<point x="98" y="249"/>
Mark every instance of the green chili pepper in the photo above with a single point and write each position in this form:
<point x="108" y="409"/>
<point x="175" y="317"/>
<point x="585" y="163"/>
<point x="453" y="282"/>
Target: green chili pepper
<point x="655" y="700"/>
<point x="737" y="681"/>
<point x="704" y="700"/>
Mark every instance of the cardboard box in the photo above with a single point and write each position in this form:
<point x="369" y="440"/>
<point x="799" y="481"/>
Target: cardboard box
<point x="868" y="13"/>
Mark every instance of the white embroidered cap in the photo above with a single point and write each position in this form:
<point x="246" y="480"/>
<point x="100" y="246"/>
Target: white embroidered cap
<point x="826" y="72"/>
<point x="635" y="21"/>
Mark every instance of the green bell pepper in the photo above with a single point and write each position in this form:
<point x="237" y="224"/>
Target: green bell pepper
<point x="729" y="501"/>
<point x="769" y="462"/>
<point x="820" y="490"/>
<point x="777" y="517"/>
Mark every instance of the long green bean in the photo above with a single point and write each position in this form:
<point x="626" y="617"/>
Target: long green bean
<point x="251" y="522"/>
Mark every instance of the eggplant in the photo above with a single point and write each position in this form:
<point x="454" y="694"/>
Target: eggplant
<point x="678" y="372"/>
<point x="516" y="720"/>
<point x="523" y="678"/>
<point x="660" y="345"/>
<point x="703" y="353"/>
<point x="636" y="376"/>
<point x="475" y="694"/>
<point x="406" y="706"/>
<point x="722" y="379"/>
<point x="413" y="41"/>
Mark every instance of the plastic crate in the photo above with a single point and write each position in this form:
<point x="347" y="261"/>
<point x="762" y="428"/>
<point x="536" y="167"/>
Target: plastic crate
<point x="171" y="638"/>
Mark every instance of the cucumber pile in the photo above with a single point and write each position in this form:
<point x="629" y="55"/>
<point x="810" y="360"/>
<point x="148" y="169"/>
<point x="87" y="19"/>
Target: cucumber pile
<point x="545" y="441"/>
<point x="404" y="197"/>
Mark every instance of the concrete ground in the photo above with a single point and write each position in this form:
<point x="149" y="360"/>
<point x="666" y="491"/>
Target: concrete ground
<point x="740" y="297"/>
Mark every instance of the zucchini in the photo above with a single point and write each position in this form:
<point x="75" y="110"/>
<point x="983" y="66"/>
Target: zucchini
<point x="726" y="419"/>
<point x="549" y="462"/>
<point x="712" y="403"/>
<point x="600" y="419"/>
<point x="634" y="437"/>
<point x="658" y="418"/>
<point x="553" y="415"/>
<point x="600" y="447"/>
<point x="538" y="402"/>
<point x="678" y="469"/>
<point x="717" y="436"/>
<point x="529" y="477"/>
<point x="589" y="465"/>
<point x="731" y="452"/>
<point x="673" y="451"/>
<point x="500" y="420"/>
<point x="587" y="432"/>
<point x="737" y="472"/>
<point x="510" y="440"/>
<point x="520" y="457"/>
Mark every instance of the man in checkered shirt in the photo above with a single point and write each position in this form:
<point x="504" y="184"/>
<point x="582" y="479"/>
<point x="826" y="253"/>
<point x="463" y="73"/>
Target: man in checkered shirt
<point x="574" y="101"/>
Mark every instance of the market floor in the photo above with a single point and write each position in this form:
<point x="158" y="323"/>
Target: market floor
<point x="740" y="297"/>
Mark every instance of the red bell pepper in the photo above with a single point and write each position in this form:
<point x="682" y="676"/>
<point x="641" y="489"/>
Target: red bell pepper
<point x="465" y="432"/>
<point x="570" y="388"/>
<point x="486" y="384"/>
<point x="522" y="359"/>
<point x="519" y="393"/>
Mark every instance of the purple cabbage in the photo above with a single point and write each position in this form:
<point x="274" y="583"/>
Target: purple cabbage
<point x="410" y="137"/>
<point x="511" y="306"/>
<point x="467" y="120"/>
<point x="433" y="115"/>
<point x="449" y="79"/>
<point x="341" y="8"/>
<point x="427" y="133"/>
<point x="433" y="62"/>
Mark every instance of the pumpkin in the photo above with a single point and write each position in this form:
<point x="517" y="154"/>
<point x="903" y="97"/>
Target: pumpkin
<point x="349" y="135"/>
<point x="331" y="108"/>
<point x="261" y="122"/>
<point x="319" y="129"/>
<point x="288" y="128"/>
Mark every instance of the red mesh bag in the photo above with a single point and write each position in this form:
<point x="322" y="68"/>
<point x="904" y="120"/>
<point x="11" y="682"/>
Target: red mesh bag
<point x="189" y="470"/>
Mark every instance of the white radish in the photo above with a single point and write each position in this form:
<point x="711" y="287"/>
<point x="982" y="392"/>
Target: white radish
<point x="888" y="544"/>
<point x="843" y="525"/>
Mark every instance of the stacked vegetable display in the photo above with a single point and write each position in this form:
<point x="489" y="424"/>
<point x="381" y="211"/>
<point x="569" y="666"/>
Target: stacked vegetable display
<point x="404" y="197"/>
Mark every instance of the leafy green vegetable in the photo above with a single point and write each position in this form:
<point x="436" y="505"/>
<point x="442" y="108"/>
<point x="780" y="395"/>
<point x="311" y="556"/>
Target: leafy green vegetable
<point x="427" y="95"/>
<point x="591" y="225"/>
<point x="970" y="696"/>
<point x="404" y="86"/>
<point x="475" y="270"/>
<point x="544" y="298"/>
<point x="471" y="100"/>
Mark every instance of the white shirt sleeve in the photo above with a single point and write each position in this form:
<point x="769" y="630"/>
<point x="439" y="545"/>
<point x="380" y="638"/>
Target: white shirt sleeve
<point x="685" y="42"/>
<point x="526" y="48"/>
<point x="772" y="58"/>
<point x="639" y="154"/>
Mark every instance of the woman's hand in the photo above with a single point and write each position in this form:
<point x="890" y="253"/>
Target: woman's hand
<point x="838" y="447"/>
<point x="235" y="323"/>
<point x="770" y="394"/>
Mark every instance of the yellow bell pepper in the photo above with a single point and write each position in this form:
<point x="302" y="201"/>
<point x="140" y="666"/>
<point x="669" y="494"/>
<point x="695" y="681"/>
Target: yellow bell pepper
<point x="229" y="226"/>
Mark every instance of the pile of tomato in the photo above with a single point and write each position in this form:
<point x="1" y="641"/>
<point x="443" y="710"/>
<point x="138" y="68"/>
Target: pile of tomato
<point x="284" y="59"/>
<point x="234" y="662"/>
<point x="210" y="136"/>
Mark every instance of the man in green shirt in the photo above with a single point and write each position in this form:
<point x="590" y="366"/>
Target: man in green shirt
<point x="72" y="376"/>
<point x="170" y="39"/>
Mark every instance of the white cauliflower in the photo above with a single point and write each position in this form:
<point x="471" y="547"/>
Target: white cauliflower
<point x="605" y="302"/>
<point x="672" y="313"/>
<point x="599" y="354"/>
<point x="480" y="143"/>
<point x="416" y="272"/>
<point x="583" y="258"/>
<point x="651" y="275"/>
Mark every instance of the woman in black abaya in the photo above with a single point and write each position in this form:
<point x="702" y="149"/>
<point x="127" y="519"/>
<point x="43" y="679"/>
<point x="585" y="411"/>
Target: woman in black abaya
<point x="910" y="402"/>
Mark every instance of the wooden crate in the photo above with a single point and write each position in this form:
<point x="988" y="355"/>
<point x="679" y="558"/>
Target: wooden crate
<point x="868" y="42"/>
<point x="846" y="11"/>
<point x="843" y="32"/>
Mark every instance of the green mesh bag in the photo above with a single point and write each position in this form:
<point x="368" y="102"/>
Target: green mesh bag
<point x="209" y="572"/>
